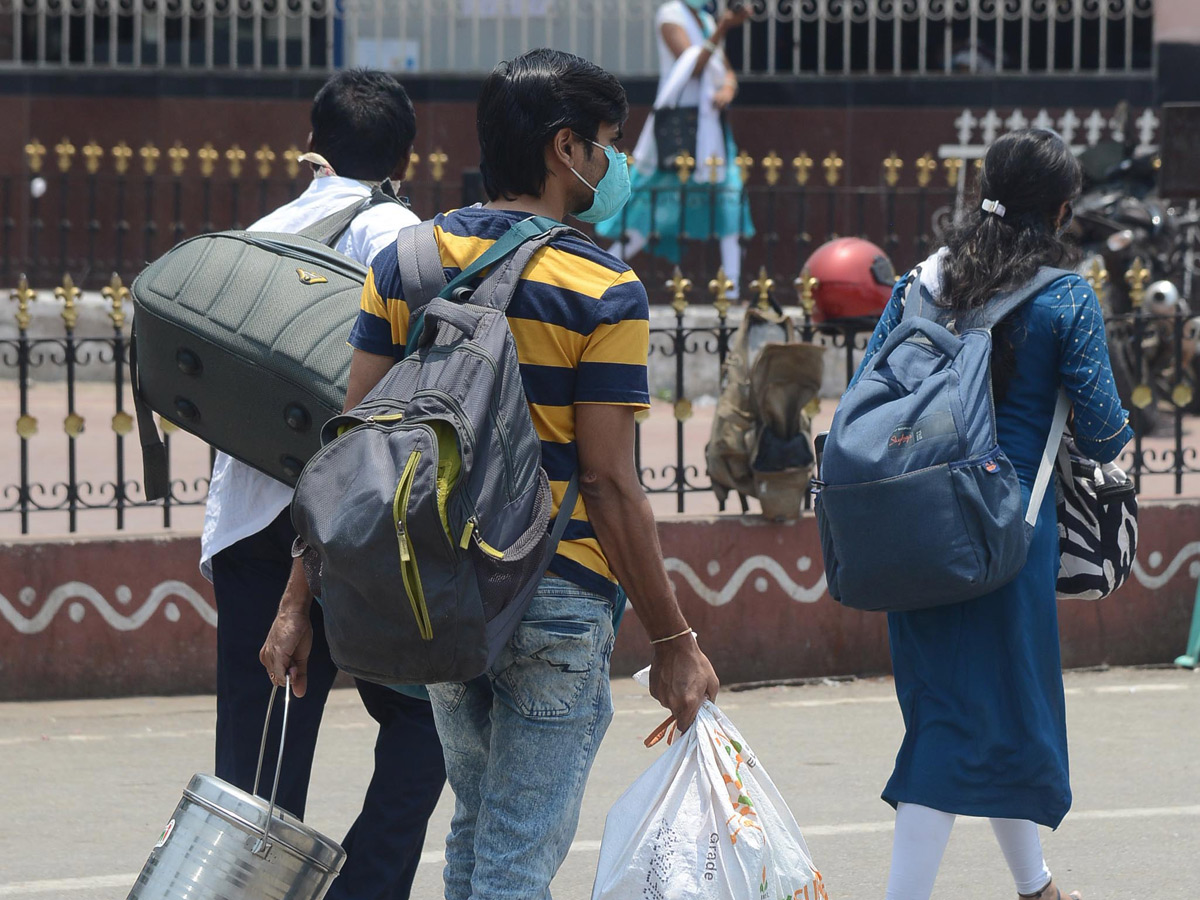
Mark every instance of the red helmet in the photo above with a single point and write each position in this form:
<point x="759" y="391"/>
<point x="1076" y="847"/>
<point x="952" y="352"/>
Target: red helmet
<point x="855" y="280"/>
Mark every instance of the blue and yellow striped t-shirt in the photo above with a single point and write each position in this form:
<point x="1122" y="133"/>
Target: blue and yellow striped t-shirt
<point x="580" y="319"/>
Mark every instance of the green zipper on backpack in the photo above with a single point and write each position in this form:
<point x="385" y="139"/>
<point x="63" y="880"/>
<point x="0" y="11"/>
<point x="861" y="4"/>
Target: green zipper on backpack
<point x="409" y="573"/>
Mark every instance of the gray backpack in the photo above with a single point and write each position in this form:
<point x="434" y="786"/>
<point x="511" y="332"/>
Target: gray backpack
<point x="427" y="506"/>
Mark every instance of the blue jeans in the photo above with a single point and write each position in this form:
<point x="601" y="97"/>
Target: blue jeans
<point x="519" y="742"/>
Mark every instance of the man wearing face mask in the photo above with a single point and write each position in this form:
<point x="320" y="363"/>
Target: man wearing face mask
<point x="363" y="127"/>
<point x="520" y="739"/>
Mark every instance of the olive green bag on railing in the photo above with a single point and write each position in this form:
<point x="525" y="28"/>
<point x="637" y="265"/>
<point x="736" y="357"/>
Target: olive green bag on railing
<point x="239" y="337"/>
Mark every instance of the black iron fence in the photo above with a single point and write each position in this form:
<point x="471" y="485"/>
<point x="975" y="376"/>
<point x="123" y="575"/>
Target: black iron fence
<point x="694" y="338"/>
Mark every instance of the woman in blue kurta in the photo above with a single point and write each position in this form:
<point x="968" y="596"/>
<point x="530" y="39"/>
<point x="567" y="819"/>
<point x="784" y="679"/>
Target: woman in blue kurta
<point x="980" y="683"/>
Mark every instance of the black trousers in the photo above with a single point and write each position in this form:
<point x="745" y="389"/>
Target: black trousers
<point x="384" y="845"/>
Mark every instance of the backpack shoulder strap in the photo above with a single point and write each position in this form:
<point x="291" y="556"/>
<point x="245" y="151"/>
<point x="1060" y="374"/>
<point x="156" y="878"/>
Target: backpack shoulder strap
<point x="421" y="274"/>
<point x="915" y="306"/>
<point x="530" y="236"/>
<point x="996" y="311"/>
<point x="329" y="230"/>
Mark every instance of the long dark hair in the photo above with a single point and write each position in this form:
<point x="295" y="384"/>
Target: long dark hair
<point x="1031" y="172"/>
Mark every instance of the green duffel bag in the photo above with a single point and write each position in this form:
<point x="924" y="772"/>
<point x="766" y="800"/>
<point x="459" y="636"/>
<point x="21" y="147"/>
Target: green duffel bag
<point x="239" y="337"/>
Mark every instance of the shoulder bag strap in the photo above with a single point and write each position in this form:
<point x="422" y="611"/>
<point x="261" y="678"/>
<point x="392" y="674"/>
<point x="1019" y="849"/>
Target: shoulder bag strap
<point x="155" y="475"/>
<point x="330" y="229"/>
<point x="1049" y="455"/>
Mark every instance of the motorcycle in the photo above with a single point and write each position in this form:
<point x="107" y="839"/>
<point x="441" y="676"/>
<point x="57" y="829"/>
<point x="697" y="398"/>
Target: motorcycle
<point x="1136" y="248"/>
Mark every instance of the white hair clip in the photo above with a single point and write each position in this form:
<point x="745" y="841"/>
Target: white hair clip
<point x="995" y="207"/>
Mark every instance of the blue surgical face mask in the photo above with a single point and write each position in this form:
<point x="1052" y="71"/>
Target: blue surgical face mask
<point x="697" y="5"/>
<point x="613" y="191"/>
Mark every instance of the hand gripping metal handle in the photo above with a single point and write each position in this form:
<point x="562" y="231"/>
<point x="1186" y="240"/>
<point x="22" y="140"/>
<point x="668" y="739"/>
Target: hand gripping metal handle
<point x="262" y="846"/>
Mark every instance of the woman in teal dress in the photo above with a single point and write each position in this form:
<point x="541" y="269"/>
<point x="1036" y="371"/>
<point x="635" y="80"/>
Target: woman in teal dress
<point x="694" y="73"/>
<point x="980" y="683"/>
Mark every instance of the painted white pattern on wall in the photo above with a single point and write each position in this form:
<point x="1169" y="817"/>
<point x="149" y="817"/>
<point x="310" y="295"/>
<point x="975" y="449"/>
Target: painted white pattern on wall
<point x="74" y="594"/>
<point x="719" y="597"/>
<point x="759" y="571"/>
<point x="1154" y="582"/>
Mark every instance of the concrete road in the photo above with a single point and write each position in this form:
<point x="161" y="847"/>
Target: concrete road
<point x="85" y="787"/>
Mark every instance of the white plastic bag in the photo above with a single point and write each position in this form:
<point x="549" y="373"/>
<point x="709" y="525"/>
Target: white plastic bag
<point x="705" y="821"/>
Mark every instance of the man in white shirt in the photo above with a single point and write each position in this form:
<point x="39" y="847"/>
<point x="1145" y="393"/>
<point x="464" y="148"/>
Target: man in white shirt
<point x="363" y="125"/>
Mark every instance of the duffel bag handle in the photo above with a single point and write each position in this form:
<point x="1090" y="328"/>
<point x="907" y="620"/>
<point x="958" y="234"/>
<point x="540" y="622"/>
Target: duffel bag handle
<point x="263" y="845"/>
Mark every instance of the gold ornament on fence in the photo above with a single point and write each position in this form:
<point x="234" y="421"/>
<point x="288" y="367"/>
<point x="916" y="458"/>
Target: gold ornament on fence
<point x="683" y="409"/>
<point x="892" y="166"/>
<point x="833" y="165"/>
<point x="208" y="156"/>
<point x="806" y="285"/>
<point x="714" y="163"/>
<point x="122" y="423"/>
<point x="65" y="151"/>
<point x="167" y="426"/>
<point x="720" y="287"/>
<point x="685" y="163"/>
<point x="1137" y="277"/>
<point x="69" y="295"/>
<point x="23" y="295"/>
<point x="264" y="156"/>
<point x="291" y="161"/>
<point x="926" y="167"/>
<point x="771" y="164"/>
<point x="35" y="152"/>
<point x="762" y="287"/>
<point x="437" y="164"/>
<point x="92" y="154"/>
<point x="27" y="427"/>
<point x="117" y="295"/>
<point x="953" y="167"/>
<point x="235" y="156"/>
<point x="1182" y="395"/>
<point x="178" y="154"/>
<point x="1097" y="275"/>
<point x="150" y="156"/>
<point x="414" y="160"/>
<point x="73" y="425"/>
<point x="121" y="154"/>
<point x="744" y="162"/>
<point x="802" y="165"/>
<point x="679" y="288"/>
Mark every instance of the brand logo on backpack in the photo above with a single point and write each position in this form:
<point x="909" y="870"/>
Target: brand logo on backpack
<point x="311" y="277"/>
<point x="902" y="438"/>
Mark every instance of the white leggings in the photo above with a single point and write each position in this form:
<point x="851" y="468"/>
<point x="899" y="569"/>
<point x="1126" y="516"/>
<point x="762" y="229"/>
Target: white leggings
<point x="731" y="255"/>
<point x="921" y="837"/>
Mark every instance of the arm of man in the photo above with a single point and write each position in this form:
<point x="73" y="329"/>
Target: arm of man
<point x="289" y="642"/>
<point x="681" y="677"/>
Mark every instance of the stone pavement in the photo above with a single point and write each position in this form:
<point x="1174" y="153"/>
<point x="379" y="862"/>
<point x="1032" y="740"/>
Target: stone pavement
<point x="87" y="786"/>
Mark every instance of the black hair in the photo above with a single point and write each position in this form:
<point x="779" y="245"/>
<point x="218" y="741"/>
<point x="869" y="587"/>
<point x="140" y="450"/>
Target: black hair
<point x="526" y="101"/>
<point x="363" y="123"/>
<point x="1032" y="173"/>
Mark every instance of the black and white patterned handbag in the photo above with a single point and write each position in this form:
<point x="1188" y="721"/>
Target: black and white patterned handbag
<point x="1097" y="525"/>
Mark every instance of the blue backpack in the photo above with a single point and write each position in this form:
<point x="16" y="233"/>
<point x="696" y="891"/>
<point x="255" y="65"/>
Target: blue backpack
<point x="916" y="503"/>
